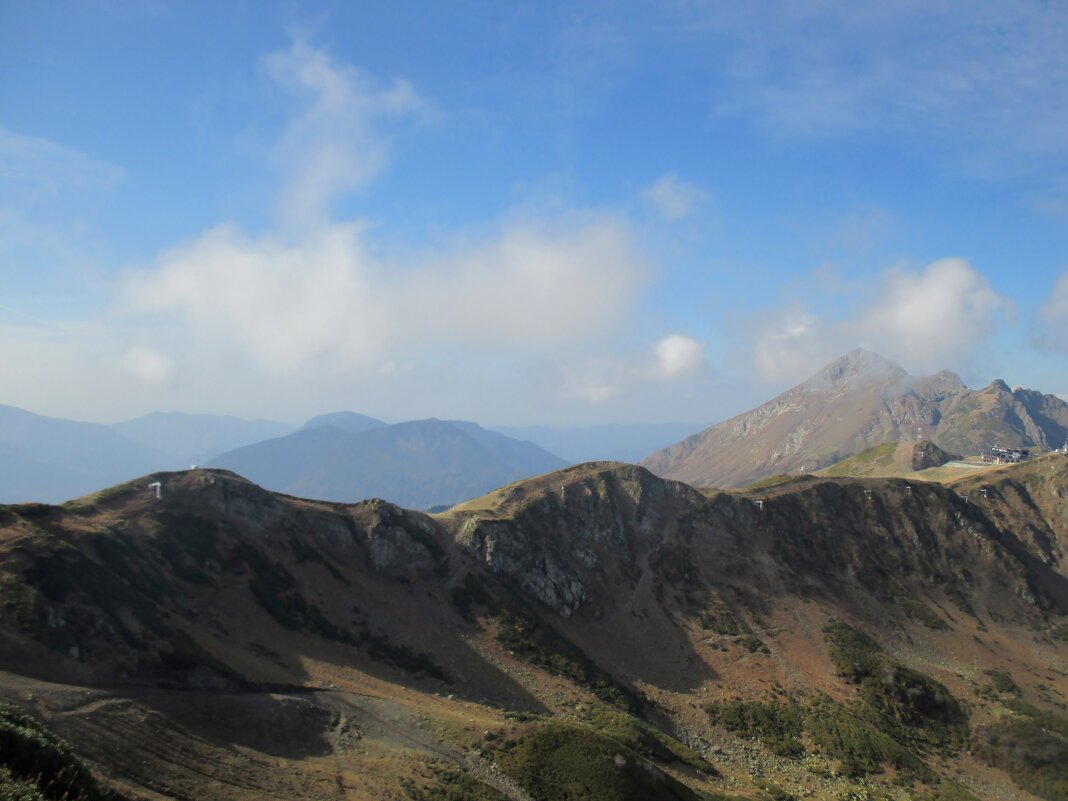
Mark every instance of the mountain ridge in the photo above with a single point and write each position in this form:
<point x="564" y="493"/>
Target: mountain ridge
<point x="524" y="618"/>
<point x="418" y="463"/>
<point x="858" y="401"/>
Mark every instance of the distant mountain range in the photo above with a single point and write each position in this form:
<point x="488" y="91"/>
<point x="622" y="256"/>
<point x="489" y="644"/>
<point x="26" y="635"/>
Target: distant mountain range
<point x="421" y="463"/>
<point x="332" y="456"/>
<point x="607" y="442"/>
<point x="338" y="456"/>
<point x="51" y="459"/>
<point x="191" y="438"/>
<point x="856" y="402"/>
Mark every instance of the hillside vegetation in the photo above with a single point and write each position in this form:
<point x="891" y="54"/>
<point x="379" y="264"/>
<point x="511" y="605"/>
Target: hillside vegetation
<point x="593" y="633"/>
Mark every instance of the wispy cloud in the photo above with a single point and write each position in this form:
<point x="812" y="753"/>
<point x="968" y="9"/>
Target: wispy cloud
<point x="671" y="358"/>
<point x="991" y="76"/>
<point x="335" y="144"/>
<point x="148" y="364"/>
<point x="924" y="319"/>
<point x="673" y="198"/>
<point x="1052" y="320"/>
<point x="318" y="298"/>
<point x="36" y="168"/>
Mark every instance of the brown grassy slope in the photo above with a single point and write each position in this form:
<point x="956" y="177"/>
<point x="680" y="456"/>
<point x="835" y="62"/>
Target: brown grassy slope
<point x="903" y="459"/>
<point x="597" y="585"/>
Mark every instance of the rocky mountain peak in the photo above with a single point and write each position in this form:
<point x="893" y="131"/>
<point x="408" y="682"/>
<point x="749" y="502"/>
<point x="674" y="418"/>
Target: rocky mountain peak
<point x="998" y="384"/>
<point x="859" y="367"/>
<point x="856" y="402"/>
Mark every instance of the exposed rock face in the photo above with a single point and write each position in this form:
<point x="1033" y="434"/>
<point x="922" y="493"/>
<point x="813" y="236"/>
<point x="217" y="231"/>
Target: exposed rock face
<point x="560" y="542"/>
<point x="925" y="454"/>
<point x="856" y="402"/>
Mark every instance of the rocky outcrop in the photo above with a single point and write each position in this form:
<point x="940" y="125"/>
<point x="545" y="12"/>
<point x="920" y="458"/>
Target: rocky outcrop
<point x="594" y="521"/>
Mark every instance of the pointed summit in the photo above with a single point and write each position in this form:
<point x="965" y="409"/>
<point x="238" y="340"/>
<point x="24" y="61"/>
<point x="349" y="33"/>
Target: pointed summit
<point x="859" y="401"/>
<point x="856" y="368"/>
<point x="998" y="384"/>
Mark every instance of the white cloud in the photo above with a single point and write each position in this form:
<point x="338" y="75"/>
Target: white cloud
<point x="317" y="300"/>
<point x="924" y="319"/>
<point x="677" y="355"/>
<point x="334" y="146"/>
<point x="148" y="364"/>
<point x="673" y="198"/>
<point x="324" y="302"/>
<point x="672" y="358"/>
<point x="594" y="384"/>
<point x="927" y="317"/>
<point x="789" y="346"/>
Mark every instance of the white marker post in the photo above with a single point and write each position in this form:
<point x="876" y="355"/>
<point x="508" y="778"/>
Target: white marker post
<point x="158" y="487"/>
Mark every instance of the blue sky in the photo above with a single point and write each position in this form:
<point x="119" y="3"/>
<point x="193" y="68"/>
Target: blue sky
<point x="556" y="213"/>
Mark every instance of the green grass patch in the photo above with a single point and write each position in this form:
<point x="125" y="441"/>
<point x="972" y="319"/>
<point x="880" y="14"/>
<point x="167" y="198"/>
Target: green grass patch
<point x="277" y="592"/>
<point x="381" y="649"/>
<point x="908" y="705"/>
<point x="925" y="615"/>
<point x="837" y="731"/>
<point x="752" y="644"/>
<point x="771" y="791"/>
<point x="914" y="708"/>
<point x="37" y="764"/>
<point x="721" y="620"/>
<point x="469" y="594"/>
<point x="777" y="725"/>
<point x="565" y="762"/>
<point x="543" y="646"/>
<point x="527" y="636"/>
<point x="1002" y="682"/>
<point x="899" y="713"/>
<point x="860" y="748"/>
<point x="880" y="455"/>
<point x="855" y="655"/>
<point x="771" y="481"/>
<point x="644" y="739"/>
<point x="451" y="784"/>
<point x="1032" y="748"/>
<point x="960" y="600"/>
<point x="15" y="789"/>
<point x="947" y="790"/>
